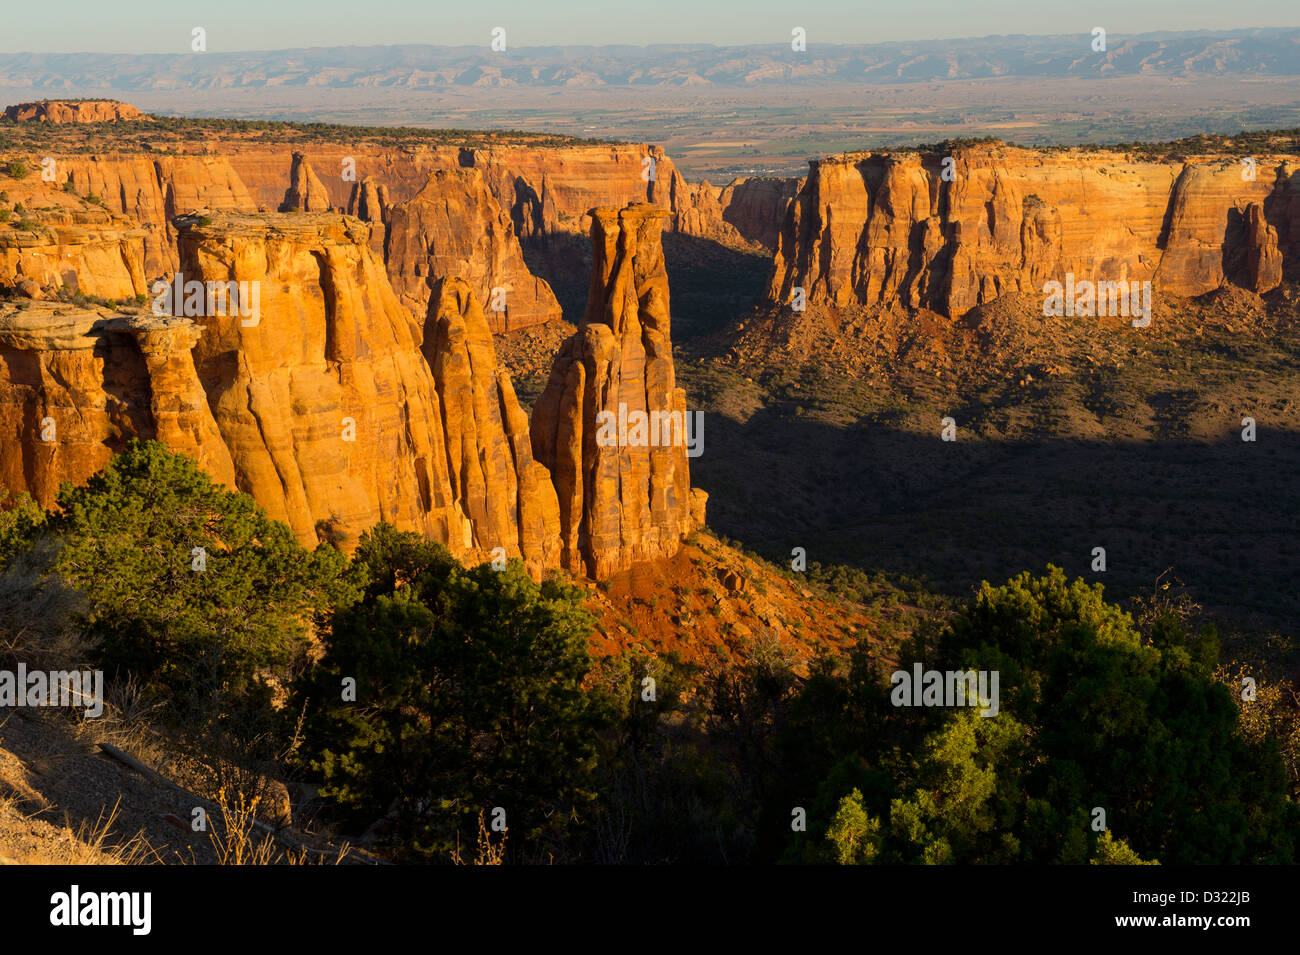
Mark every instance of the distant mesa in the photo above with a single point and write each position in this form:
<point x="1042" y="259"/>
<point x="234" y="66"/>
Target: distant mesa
<point x="74" y="111"/>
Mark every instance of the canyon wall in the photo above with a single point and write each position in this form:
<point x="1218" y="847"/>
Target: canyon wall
<point x="55" y="241"/>
<point x="341" y="410"/>
<point x="308" y="385"/>
<point x="153" y="191"/>
<point x="870" y="229"/>
<point x="620" y="501"/>
<point x="454" y="227"/>
<point x="76" y="383"/>
<point x="491" y="199"/>
<point x="755" y="207"/>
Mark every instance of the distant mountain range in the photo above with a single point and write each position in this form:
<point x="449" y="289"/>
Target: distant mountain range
<point x="1256" y="52"/>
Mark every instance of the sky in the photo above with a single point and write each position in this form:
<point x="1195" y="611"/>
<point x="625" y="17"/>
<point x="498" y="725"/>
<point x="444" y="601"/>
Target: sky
<point x="164" y="26"/>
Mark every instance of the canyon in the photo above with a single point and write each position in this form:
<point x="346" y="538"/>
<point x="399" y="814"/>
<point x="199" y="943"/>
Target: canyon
<point x="369" y="387"/>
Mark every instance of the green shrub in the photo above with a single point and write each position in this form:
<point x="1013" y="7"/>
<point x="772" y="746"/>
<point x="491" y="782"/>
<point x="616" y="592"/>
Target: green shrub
<point x="1093" y="714"/>
<point x="192" y="587"/>
<point x="468" y="697"/>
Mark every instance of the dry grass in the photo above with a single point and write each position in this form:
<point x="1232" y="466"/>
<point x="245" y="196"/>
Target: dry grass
<point x="91" y="843"/>
<point x="95" y="847"/>
<point x="487" y="851"/>
<point x="238" y="839"/>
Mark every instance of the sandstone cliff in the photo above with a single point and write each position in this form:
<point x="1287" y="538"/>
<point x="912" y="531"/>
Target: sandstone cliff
<point x="506" y="494"/>
<point x="329" y="396"/>
<point x="540" y="191"/>
<point x="620" y="502"/>
<point x="873" y="229"/>
<point x="76" y="384"/>
<point x="73" y="111"/>
<point x="55" y="240"/>
<point x="756" y="206"/>
<point x="551" y="189"/>
<point x="154" y="191"/>
<point x="369" y="202"/>
<point x="454" y="227"/>
<point x="314" y="390"/>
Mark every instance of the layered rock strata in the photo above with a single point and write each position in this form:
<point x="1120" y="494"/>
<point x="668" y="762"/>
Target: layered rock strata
<point x="625" y="501"/>
<point x="58" y="241"/>
<point x="77" y="383"/>
<point x="871" y="229"/>
<point x="454" y="227"/>
<point x="288" y="368"/>
<point x="329" y="395"/>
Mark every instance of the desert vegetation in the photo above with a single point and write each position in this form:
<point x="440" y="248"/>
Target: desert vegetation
<point x="446" y="713"/>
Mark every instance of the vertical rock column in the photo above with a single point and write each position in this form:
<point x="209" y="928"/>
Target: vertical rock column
<point x="627" y="501"/>
<point x="506" y="495"/>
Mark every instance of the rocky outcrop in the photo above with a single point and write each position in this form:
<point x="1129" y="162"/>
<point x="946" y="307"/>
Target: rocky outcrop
<point x="541" y="188"/>
<point x="73" y="111"/>
<point x="551" y="189"/>
<point x="369" y="202"/>
<point x="292" y="372"/>
<point x="76" y="384"/>
<point x="1262" y="265"/>
<point x="756" y="207"/>
<point x="341" y="167"/>
<point x="306" y="193"/>
<point x="60" y="241"/>
<point x="154" y="191"/>
<point x="873" y="229"/>
<point x="700" y="213"/>
<point x="341" y="410"/>
<point x="625" y="500"/>
<point x="454" y="227"/>
<point x="507" y="496"/>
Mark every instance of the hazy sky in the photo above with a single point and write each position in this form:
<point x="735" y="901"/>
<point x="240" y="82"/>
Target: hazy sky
<point x="163" y="26"/>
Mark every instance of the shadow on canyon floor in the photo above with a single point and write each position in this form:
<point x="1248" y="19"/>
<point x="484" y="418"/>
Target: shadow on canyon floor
<point x="1221" y="515"/>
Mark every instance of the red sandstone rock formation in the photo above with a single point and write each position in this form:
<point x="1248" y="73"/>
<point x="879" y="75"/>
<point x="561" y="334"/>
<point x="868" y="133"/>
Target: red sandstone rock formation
<point x="756" y="206"/>
<point x="60" y="240"/>
<point x="77" y="383"/>
<point x="369" y="203"/>
<point x="306" y="193"/>
<point x="154" y="191"/>
<point x="454" y="227"/>
<point x="870" y="229"/>
<point x="701" y="214"/>
<point x="507" y="496"/>
<point x="1263" y="258"/>
<point x="341" y="410"/>
<point x="551" y="189"/>
<point x="618" y="504"/>
<point x="310" y="387"/>
<point x="540" y="190"/>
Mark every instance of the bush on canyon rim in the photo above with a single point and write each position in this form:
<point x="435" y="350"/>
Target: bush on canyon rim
<point x="191" y="587"/>
<point x="468" y="696"/>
